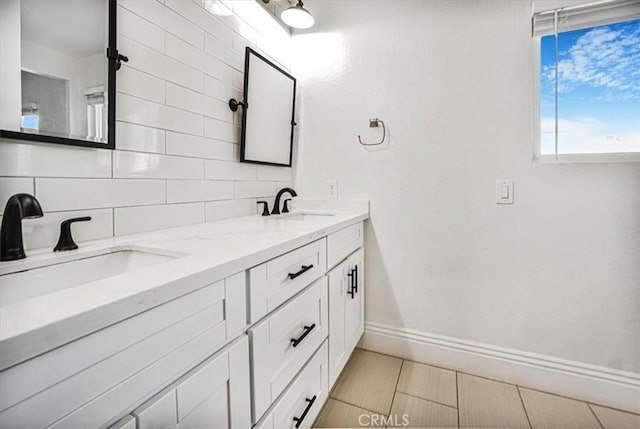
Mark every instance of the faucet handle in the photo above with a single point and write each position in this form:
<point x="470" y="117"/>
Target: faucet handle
<point x="286" y="205"/>
<point x="265" y="210"/>
<point x="65" y="242"/>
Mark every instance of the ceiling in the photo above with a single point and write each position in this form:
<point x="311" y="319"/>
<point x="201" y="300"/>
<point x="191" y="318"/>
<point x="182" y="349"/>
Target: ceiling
<point x="77" y="28"/>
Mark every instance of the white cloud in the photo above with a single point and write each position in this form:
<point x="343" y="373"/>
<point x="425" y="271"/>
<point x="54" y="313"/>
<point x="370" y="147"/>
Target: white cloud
<point x="585" y="135"/>
<point x="602" y="58"/>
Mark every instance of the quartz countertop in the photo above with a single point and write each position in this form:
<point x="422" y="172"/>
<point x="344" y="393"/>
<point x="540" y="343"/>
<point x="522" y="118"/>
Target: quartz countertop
<point x="204" y="254"/>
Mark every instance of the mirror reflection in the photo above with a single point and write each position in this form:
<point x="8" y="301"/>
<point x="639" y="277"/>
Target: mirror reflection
<point x="54" y="68"/>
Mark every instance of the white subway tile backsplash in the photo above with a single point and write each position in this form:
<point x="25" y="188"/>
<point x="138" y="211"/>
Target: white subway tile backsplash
<point x="70" y="194"/>
<point x="130" y="220"/>
<point x="185" y="191"/>
<point x="134" y="82"/>
<point x="159" y="65"/>
<point x="223" y="170"/>
<point x="139" y="138"/>
<point x="270" y="172"/>
<point x="196" y="102"/>
<point x="223" y="51"/>
<point x="43" y="160"/>
<point x="154" y="166"/>
<point x="139" y="29"/>
<point x="44" y="231"/>
<point x="15" y="185"/>
<point x="218" y="89"/>
<point x="177" y="153"/>
<point x="194" y="13"/>
<point x="144" y="112"/>
<point x="221" y="130"/>
<point x="167" y="19"/>
<point x="199" y="147"/>
<point x="194" y="57"/>
<point x="218" y="210"/>
<point x="253" y="189"/>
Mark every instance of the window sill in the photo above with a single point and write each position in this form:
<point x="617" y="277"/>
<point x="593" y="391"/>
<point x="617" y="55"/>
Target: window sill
<point x="587" y="158"/>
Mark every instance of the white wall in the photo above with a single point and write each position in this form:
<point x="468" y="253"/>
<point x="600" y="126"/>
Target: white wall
<point x="177" y="157"/>
<point x="558" y="273"/>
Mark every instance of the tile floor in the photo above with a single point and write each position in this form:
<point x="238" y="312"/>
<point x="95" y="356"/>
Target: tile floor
<point x="377" y="390"/>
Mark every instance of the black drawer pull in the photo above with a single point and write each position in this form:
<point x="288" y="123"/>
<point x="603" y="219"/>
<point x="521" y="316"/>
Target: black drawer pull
<point x="303" y="270"/>
<point x="355" y="281"/>
<point x="352" y="288"/>
<point x="300" y="419"/>
<point x="307" y="329"/>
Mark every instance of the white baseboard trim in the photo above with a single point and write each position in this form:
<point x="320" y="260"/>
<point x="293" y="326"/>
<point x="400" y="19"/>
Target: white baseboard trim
<point x="595" y="384"/>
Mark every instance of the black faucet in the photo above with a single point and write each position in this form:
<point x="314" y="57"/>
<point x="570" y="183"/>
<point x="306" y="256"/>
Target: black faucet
<point x="276" y="204"/>
<point x="65" y="242"/>
<point x="19" y="206"/>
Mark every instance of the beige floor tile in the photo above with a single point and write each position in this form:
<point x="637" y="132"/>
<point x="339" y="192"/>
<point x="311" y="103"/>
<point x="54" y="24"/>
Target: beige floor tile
<point x="336" y="414"/>
<point x="428" y="382"/>
<point x="369" y="381"/>
<point x="548" y="411"/>
<point x="614" y="419"/>
<point x="485" y="403"/>
<point x="409" y="411"/>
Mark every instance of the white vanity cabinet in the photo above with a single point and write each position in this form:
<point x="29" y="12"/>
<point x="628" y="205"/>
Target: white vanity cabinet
<point x="346" y="311"/>
<point x="215" y="394"/>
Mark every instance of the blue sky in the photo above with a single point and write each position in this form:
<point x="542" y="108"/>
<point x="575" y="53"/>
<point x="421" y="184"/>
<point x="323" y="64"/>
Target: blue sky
<point x="599" y="89"/>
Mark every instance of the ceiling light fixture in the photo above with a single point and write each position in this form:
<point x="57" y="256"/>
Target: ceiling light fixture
<point x="297" y="16"/>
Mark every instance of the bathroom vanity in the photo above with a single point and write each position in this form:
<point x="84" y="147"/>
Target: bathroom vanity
<point x="237" y="323"/>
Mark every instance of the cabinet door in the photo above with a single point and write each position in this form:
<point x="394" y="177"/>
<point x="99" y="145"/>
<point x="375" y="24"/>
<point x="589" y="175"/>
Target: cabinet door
<point x="354" y="301"/>
<point x="337" y="345"/>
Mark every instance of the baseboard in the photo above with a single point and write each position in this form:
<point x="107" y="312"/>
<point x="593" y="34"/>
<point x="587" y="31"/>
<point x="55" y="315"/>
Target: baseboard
<point x="595" y="384"/>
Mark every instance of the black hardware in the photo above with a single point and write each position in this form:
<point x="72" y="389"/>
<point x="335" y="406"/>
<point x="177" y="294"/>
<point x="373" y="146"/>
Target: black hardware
<point x="307" y="329"/>
<point x="265" y="209"/>
<point x="249" y="53"/>
<point x="355" y="279"/>
<point x="234" y="104"/>
<point x="111" y="101"/>
<point x="18" y="207"/>
<point x="303" y="270"/>
<point x="65" y="242"/>
<point x="286" y="206"/>
<point x="113" y="54"/>
<point x="352" y="288"/>
<point x="300" y="419"/>
<point x="276" y="204"/>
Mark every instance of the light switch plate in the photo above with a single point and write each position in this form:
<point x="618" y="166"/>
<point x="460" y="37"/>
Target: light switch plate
<point x="504" y="192"/>
<point x="332" y="189"/>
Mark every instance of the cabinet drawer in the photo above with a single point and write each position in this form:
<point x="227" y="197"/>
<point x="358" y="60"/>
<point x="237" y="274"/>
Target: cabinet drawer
<point x="277" y="280"/>
<point x="342" y="243"/>
<point x="284" y="341"/>
<point x="159" y="413"/>
<point x="89" y="381"/>
<point x="308" y="392"/>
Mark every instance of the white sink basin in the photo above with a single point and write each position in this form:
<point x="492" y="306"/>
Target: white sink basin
<point x="303" y="216"/>
<point x="27" y="281"/>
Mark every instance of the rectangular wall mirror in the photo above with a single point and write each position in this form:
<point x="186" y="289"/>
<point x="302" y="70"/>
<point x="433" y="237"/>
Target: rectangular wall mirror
<point x="268" y="114"/>
<point x="57" y="84"/>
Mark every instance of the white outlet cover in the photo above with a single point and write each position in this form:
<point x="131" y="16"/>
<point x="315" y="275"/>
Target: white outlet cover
<point x="504" y="192"/>
<point x="332" y="189"/>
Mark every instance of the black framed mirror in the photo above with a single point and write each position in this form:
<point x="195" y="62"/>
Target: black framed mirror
<point x="58" y="63"/>
<point x="268" y="116"/>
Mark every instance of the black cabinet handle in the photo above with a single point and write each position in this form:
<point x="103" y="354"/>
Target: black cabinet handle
<point x="307" y="329"/>
<point x="355" y="279"/>
<point x="351" y="291"/>
<point x="303" y="270"/>
<point x="300" y="419"/>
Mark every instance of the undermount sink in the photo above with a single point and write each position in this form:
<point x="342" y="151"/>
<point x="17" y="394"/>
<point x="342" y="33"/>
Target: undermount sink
<point x="303" y="216"/>
<point x="28" y="281"/>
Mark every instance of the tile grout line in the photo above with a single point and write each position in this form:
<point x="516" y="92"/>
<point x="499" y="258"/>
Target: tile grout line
<point x="457" y="399"/>
<point x="395" y="389"/>
<point x="353" y="405"/>
<point x="595" y="415"/>
<point x="427" y="400"/>
<point x="524" y="407"/>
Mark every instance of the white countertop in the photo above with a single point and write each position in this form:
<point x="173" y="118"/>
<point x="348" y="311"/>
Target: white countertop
<point x="211" y="252"/>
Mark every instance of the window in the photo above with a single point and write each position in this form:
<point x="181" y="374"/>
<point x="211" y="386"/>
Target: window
<point x="589" y="86"/>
